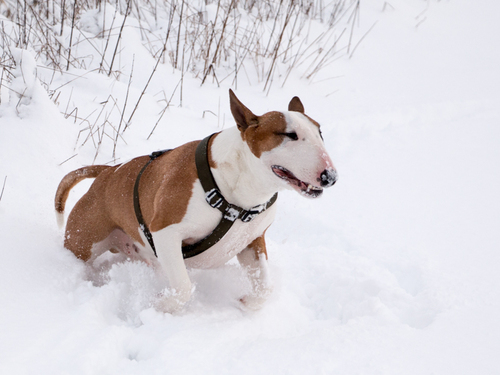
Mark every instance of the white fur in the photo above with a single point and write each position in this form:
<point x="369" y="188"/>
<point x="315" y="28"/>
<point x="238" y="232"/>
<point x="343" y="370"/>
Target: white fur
<point x="168" y="243"/>
<point x="60" y="219"/>
<point x="242" y="177"/>
<point x="306" y="157"/>
<point x="244" y="180"/>
<point x="258" y="274"/>
<point x="247" y="181"/>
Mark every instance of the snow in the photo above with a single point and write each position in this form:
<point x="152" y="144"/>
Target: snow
<point x="394" y="270"/>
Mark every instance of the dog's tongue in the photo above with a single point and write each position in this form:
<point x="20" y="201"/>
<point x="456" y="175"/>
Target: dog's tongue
<point x="306" y="189"/>
<point x="283" y="173"/>
<point x="287" y="175"/>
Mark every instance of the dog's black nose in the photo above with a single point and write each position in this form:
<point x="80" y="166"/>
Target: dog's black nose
<point x="328" y="177"/>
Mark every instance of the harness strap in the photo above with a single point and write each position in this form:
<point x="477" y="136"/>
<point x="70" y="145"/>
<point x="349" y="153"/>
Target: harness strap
<point x="137" y="206"/>
<point x="215" y="199"/>
<point x="213" y="196"/>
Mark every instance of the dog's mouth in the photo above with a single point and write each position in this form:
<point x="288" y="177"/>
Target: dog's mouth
<point x="303" y="187"/>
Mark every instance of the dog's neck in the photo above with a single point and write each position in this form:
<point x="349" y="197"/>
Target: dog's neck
<point x="241" y="176"/>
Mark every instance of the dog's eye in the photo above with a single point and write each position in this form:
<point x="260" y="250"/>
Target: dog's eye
<point x="293" y="136"/>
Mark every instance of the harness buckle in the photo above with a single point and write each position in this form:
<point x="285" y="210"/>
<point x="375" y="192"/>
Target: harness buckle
<point x="247" y="216"/>
<point x="214" y="198"/>
<point x="232" y="212"/>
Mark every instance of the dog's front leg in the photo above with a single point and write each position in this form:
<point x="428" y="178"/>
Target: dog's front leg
<point x="254" y="260"/>
<point x="172" y="266"/>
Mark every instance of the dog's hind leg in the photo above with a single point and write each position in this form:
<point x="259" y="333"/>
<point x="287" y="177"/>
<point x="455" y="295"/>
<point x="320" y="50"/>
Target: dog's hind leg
<point x="87" y="229"/>
<point x="117" y="242"/>
<point x="84" y="243"/>
<point x="254" y="260"/>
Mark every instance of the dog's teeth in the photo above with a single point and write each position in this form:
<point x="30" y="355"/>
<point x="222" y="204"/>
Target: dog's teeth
<point x="309" y="187"/>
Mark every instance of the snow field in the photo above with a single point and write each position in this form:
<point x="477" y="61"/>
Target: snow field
<point x="394" y="270"/>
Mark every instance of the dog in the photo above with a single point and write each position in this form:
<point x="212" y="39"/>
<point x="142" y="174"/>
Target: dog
<point x="219" y="193"/>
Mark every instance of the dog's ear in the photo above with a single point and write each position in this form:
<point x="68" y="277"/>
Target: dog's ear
<point x="296" y="105"/>
<point x="242" y="115"/>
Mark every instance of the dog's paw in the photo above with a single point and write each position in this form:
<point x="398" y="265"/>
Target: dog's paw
<point x="172" y="302"/>
<point x="255" y="301"/>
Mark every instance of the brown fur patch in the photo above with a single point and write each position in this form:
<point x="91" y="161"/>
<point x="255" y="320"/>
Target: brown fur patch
<point x="71" y="179"/>
<point x="87" y="224"/>
<point x="242" y="115"/>
<point x="164" y="193"/>
<point x="296" y="105"/>
<point x="166" y="187"/>
<point x="265" y="135"/>
<point x="259" y="246"/>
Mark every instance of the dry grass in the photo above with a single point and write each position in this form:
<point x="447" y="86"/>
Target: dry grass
<point x="213" y="40"/>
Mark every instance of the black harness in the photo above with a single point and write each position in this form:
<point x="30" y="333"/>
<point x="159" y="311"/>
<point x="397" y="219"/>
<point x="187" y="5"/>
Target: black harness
<point x="213" y="196"/>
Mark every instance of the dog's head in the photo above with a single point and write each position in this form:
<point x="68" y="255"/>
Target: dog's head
<point x="289" y="144"/>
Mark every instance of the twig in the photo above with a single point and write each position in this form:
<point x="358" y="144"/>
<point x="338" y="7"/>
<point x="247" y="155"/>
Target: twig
<point x="278" y="43"/>
<point x="107" y="40"/>
<point x="124" y="107"/>
<point x="325" y="56"/>
<point x="3" y="187"/>
<point x="178" y="35"/>
<point x="75" y="110"/>
<point x="164" y="110"/>
<point x="182" y="78"/>
<point x="119" y="36"/>
<point x="69" y="99"/>
<point x="71" y="34"/>
<point x="208" y="111"/>
<point x="274" y="27"/>
<point x="1" y="83"/>
<point x="68" y="159"/>
<point x="363" y="37"/>
<point x="211" y="67"/>
<point x="205" y="69"/>
<point x="62" y="15"/>
<point x="151" y="76"/>
<point x="356" y="11"/>
<point x="420" y="22"/>
<point x="386" y="5"/>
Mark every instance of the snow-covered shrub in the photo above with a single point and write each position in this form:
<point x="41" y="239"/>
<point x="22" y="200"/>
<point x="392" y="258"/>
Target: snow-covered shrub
<point x="126" y="42"/>
<point x="218" y="39"/>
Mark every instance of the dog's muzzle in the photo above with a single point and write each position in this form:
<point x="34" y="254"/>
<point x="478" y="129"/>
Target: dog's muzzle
<point x="328" y="177"/>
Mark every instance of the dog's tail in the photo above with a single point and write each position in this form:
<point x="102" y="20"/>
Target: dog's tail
<point x="68" y="182"/>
